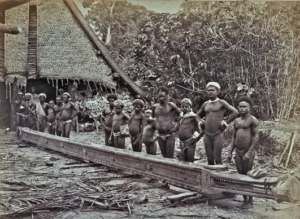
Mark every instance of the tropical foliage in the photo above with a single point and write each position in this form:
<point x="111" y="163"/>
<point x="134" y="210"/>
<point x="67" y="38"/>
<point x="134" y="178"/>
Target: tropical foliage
<point x="249" y="48"/>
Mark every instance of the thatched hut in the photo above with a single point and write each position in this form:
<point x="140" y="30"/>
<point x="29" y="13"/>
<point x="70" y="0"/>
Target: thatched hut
<point x="56" y="45"/>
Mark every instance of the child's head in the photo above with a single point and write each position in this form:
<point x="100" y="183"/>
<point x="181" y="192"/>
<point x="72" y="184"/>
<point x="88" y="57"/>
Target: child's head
<point x="60" y="91"/>
<point x="21" y="95"/>
<point x="245" y="104"/>
<point x="51" y="103"/>
<point x="111" y="99"/>
<point x="58" y="100"/>
<point x="186" y="105"/>
<point x="148" y="115"/>
<point x="42" y="97"/>
<point x="138" y="105"/>
<point x="28" y="96"/>
<point x="119" y="105"/>
<point x="212" y="89"/>
<point x="32" y="89"/>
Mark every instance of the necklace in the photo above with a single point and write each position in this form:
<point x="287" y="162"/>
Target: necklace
<point x="211" y="101"/>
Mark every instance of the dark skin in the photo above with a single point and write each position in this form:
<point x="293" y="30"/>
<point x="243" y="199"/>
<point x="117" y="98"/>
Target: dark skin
<point x="163" y="113"/>
<point x="136" y="126"/>
<point x="107" y="124"/>
<point x="40" y="125"/>
<point x="214" y="124"/>
<point x="68" y="112"/>
<point x="28" y="106"/>
<point x="187" y="129"/>
<point x="51" y="117"/>
<point x="119" y="119"/>
<point x="57" y="109"/>
<point x="244" y="140"/>
<point x="148" y="137"/>
<point x="19" y="103"/>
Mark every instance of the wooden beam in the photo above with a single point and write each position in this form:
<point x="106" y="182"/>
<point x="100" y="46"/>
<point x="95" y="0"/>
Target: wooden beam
<point x="98" y="44"/>
<point x="11" y="30"/>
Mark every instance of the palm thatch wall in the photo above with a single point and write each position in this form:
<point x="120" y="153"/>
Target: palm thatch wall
<point x="16" y="46"/>
<point x="63" y="49"/>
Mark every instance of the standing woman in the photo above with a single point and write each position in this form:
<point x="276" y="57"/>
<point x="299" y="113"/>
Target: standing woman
<point x="214" y="110"/>
<point x="41" y="108"/>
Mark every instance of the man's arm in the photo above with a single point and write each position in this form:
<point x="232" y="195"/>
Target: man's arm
<point x="254" y="138"/>
<point x="232" y="146"/>
<point x="76" y="110"/>
<point x="175" y="108"/>
<point x="233" y="112"/>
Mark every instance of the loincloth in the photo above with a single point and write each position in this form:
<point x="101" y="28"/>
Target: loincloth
<point x="66" y="122"/>
<point x="241" y="153"/>
<point x="211" y="136"/>
<point x="41" y="119"/>
<point x="51" y="123"/>
<point x="186" y="144"/>
<point x="164" y="136"/>
<point x="116" y="134"/>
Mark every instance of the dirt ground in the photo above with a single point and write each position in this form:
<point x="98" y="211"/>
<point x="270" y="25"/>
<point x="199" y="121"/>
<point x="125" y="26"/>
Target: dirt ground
<point x="39" y="183"/>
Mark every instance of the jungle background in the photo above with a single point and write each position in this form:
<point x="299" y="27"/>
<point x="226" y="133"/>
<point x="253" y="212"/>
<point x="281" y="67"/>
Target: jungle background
<point x="249" y="48"/>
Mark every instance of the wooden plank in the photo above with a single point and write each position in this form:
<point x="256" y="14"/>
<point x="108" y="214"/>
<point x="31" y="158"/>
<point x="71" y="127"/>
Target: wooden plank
<point x="185" y="175"/>
<point x="291" y="148"/>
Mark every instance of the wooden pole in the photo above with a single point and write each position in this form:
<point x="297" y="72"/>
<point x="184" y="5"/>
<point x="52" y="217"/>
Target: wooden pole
<point x="14" y="92"/>
<point x="286" y="147"/>
<point x="291" y="148"/>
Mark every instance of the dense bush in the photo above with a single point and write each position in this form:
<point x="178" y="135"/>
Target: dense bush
<point x="249" y="48"/>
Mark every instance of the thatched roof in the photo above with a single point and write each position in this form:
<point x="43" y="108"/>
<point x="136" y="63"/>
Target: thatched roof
<point x="63" y="49"/>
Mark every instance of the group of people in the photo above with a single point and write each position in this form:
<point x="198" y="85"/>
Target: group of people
<point x="209" y="121"/>
<point x="35" y="113"/>
<point x="156" y="124"/>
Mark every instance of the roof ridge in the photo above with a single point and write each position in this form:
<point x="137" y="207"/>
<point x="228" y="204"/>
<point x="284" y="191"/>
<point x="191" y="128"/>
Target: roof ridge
<point x="106" y="54"/>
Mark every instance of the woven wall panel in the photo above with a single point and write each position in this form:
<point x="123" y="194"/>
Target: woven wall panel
<point x="64" y="51"/>
<point x="15" y="46"/>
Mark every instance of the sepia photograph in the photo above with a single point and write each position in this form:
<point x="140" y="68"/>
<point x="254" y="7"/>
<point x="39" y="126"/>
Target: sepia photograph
<point x="149" y="109"/>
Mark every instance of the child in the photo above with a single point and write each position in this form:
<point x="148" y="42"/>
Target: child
<point x="19" y="107"/>
<point x="244" y="140"/>
<point x="57" y="109"/>
<point x="188" y="126"/>
<point x="118" y="120"/>
<point x="136" y="125"/>
<point x="148" y="134"/>
<point x="108" y="114"/>
<point x="51" y="118"/>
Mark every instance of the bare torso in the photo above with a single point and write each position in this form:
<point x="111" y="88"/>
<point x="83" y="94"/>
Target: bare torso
<point x="51" y="115"/>
<point x="57" y="109"/>
<point x="135" y="125"/>
<point x="66" y="111"/>
<point x="109" y="114"/>
<point x="27" y="107"/>
<point x="187" y="128"/>
<point x="118" y="120"/>
<point x="214" y="112"/>
<point x="164" y="117"/>
<point x="243" y="133"/>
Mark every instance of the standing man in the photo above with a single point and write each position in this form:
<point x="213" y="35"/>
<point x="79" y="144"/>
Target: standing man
<point x="108" y="114"/>
<point x="214" y="110"/>
<point x="41" y="109"/>
<point x="163" y="112"/>
<point x="67" y="114"/>
<point x="244" y="140"/>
